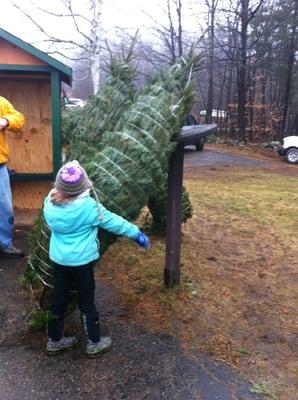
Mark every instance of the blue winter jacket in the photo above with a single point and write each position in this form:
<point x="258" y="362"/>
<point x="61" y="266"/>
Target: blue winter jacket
<point x="74" y="228"/>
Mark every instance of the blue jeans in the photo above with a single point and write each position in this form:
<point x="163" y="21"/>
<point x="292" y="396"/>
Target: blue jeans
<point x="6" y="210"/>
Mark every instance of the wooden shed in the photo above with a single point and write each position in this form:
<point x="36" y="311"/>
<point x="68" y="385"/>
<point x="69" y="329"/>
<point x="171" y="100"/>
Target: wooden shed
<point x="31" y="80"/>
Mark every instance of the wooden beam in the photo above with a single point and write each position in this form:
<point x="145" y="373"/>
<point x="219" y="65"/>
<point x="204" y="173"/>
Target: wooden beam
<point x="173" y="236"/>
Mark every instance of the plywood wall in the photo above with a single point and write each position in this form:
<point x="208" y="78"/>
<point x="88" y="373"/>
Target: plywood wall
<point x="11" y="54"/>
<point x="30" y="150"/>
<point x="29" y="195"/>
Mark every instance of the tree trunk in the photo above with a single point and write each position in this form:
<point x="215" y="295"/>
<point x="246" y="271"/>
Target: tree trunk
<point x="210" y="95"/>
<point x="251" y="84"/>
<point x="96" y="33"/>
<point x="220" y="106"/>
<point x="290" y="70"/>
<point x="242" y="72"/>
<point x="172" y="41"/>
<point x="263" y="100"/>
<point x="179" y="16"/>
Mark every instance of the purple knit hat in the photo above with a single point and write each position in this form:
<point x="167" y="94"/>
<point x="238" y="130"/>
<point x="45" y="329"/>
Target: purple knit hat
<point x="72" y="179"/>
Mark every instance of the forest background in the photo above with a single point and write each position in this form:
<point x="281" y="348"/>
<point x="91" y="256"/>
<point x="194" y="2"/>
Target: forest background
<point x="248" y="79"/>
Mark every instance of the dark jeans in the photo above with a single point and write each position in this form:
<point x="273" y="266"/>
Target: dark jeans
<point x="64" y="279"/>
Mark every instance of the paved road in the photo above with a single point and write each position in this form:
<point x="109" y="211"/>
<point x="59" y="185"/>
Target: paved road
<point x="208" y="157"/>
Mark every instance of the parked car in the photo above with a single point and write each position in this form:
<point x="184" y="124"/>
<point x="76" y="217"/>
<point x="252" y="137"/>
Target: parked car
<point x="190" y="120"/>
<point x="72" y="102"/>
<point x="289" y="148"/>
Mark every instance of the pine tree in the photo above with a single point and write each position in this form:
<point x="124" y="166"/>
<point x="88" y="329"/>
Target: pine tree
<point x="103" y="111"/>
<point x="83" y="131"/>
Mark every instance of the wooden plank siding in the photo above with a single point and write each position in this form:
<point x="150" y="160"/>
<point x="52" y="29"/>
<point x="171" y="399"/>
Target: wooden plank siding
<point x="29" y="195"/>
<point x="31" y="151"/>
<point x="31" y="80"/>
<point x="11" y="54"/>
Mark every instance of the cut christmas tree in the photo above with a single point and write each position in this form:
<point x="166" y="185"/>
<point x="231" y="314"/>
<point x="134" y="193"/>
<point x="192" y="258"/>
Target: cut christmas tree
<point x="131" y="163"/>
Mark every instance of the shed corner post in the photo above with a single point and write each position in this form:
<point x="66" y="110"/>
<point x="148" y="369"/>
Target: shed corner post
<point x="173" y="230"/>
<point x="56" y="120"/>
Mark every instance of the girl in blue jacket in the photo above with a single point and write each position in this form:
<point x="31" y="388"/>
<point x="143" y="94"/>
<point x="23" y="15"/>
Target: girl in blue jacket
<point x="74" y="217"/>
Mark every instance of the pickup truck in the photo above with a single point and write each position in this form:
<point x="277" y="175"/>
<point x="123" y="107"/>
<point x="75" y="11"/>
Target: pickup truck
<point x="191" y="121"/>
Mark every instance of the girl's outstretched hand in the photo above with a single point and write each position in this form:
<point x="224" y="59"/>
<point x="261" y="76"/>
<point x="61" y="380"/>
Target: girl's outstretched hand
<point x="142" y="240"/>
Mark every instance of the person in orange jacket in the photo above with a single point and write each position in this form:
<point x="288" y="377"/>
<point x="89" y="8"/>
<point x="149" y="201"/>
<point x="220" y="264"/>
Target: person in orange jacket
<point x="10" y="120"/>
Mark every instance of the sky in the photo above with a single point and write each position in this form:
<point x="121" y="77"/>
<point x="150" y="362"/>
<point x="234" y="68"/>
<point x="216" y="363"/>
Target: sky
<point x="127" y="14"/>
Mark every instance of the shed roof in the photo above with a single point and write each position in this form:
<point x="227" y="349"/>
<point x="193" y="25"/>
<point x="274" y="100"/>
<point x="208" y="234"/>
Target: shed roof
<point x="65" y="71"/>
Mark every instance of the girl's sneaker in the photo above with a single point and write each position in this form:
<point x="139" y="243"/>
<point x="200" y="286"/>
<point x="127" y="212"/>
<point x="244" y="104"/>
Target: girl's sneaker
<point x="93" y="349"/>
<point x="65" y="343"/>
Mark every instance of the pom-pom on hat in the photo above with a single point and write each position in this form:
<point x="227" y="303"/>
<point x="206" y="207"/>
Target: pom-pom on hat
<point x="72" y="179"/>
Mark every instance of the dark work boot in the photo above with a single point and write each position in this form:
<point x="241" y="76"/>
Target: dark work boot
<point x="11" y="251"/>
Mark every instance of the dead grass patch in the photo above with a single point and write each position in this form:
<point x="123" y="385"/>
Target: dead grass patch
<point x="238" y="297"/>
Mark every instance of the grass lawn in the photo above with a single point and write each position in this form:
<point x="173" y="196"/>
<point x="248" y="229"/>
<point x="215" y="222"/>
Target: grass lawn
<point x="238" y="297"/>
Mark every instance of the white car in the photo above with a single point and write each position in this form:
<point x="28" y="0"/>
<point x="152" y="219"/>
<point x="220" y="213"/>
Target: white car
<point x="289" y="149"/>
<point x="73" y="102"/>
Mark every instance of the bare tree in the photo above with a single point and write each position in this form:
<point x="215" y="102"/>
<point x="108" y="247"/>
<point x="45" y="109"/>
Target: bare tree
<point x="88" y="29"/>
<point x="291" y="51"/>
<point x="246" y="13"/>
<point x="212" y="5"/>
<point x="170" y="34"/>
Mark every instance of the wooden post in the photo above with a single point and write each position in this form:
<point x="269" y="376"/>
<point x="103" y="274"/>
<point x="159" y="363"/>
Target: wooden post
<point x="173" y="235"/>
<point x="188" y="135"/>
